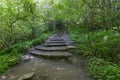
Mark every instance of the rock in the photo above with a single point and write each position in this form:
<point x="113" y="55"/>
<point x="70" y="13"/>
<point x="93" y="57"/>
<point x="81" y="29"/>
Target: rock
<point x="71" y="47"/>
<point x="27" y="76"/>
<point x="32" y="57"/>
<point x="3" y="77"/>
<point x="27" y="57"/>
<point x="59" y="69"/>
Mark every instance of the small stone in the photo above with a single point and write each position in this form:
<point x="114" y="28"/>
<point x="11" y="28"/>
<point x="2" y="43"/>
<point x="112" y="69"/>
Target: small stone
<point x="32" y="57"/>
<point x="71" y="46"/>
<point x="59" y="69"/>
<point x="26" y="76"/>
<point x="3" y="77"/>
<point x="26" y="58"/>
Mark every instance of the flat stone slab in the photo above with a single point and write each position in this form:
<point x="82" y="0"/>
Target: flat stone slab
<point x="55" y="44"/>
<point x="53" y="55"/>
<point x="56" y="48"/>
<point x="27" y="76"/>
<point x="48" y="41"/>
<point x="56" y="39"/>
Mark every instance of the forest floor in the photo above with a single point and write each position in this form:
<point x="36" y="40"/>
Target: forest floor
<point x="53" y="60"/>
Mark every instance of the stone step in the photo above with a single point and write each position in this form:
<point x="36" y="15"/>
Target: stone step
<point x="48" y="41"/>
<point x="56" y="39"/>
<point x="52" y="55"/>
<point x="56" y="48"/>
<point x="54" y="44"/>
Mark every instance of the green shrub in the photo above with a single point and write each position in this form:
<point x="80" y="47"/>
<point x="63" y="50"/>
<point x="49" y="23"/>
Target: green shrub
<point x="104" y="45"/>
<point x="23" y="46"/>
<point x="103" y="70"/>
<point x="10" y="56"/>
<point x="108" y="48"/>
<point x="8" y="60"/>
<point x="40" y="39"/>
<point x="19" y="47"/>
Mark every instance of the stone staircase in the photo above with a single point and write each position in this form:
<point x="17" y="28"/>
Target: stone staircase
<point x="55" y="47"/>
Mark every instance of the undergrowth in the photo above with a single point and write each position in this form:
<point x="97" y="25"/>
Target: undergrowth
<point x="104" y="70"/>
<point x="102" y="48"/>
<point x="10" y="56"/>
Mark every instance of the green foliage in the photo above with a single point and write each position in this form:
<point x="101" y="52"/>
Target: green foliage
<point x="20" y="24"/>
<point x="19" y="21"/>
<point x="10" y="56"/>
<point x="105" y="47"/>
<point x="80" y="37"/>
<point x="24" y="20"/>
<point x="23" y="46"/>
<point x="19" y="47"/>
<point x="8" y="60"/>
<point x="78" y="34"/>
<point x="103" y="70"/>
<point x="91" y="24"/>
<point x="40" y="39"/>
